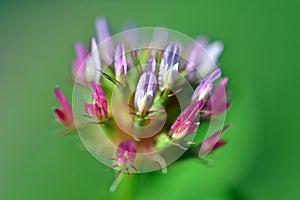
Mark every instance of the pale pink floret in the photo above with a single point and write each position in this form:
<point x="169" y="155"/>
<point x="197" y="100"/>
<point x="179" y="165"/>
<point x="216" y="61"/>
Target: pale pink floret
<point x="63" y="114"/>
<point x="126" y="153"/>
<point x="98" y="109"/>
<point x="184" y="124"/>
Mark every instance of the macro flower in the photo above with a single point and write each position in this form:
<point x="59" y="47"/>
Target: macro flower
<point x="149" y="98"/>
<point x="63" y="114"/>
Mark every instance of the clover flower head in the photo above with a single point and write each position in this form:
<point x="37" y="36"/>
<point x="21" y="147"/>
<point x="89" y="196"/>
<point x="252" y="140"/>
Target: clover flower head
<point x="138" y="101"/>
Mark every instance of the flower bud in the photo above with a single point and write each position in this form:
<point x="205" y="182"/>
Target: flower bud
<point x="145" y="93"/>
<point x="168" y="70"/>
<point x="205" y="86"/>
<point x="184" y="124"/>
<point x="120" y="63"/>
<point x="93" y="64"/>
<point x="125" y="154"/>
<point x="211" y="143"/>
<point x="64" y="114"/>
<point x="103" y="38"/>
<point x="98" y="109"/>
<point x="151" y="65"/>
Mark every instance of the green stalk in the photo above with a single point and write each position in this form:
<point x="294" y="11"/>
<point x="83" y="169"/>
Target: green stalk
<point x="126" y="188"/>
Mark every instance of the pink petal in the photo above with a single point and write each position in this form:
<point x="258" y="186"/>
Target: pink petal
<point x="218" y="102"/>
<point x="78" y="63"/>
<point x="60" y="116"/>
<point x="126" y="147"/>
<point x="189" y="114"/>
<point x="90" y="110"/>
<point x="63" y="102"/>
<point x="98" y="97"/>
<point x="211" y="142"/>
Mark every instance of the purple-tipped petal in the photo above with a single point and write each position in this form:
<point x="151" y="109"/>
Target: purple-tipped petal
<point x="145" y="92"/>
<point x="213" y="76"/>
<point x="104" y="39"/>
<point x="160" y="39"/>
<point x="151" y="65"/>
<point x="169" y="57"/>
<point x="211" y="143"/>
<point x="210" y="59"/>
<point x="192" y="63"/>
<point x="120" y="62"/>
<point x="168" y="70"/>
<point x="102" y="29"/>
<point x="205" y="61"/>
<point x="214" y="50"/>
<point x="205" y="87"/>
<point x="126" y="153"/>
<point x="130" y="35"/>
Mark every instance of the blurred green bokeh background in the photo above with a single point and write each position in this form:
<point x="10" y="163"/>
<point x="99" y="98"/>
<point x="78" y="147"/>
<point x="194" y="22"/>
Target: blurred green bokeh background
<point x="261" y="40"/>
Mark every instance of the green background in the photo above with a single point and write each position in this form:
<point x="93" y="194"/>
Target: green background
<point x="261" y="160"/>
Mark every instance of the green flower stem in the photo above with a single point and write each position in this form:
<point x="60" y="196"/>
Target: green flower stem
<point x="127" y="188"/>
<point x="165" y="96"/>
<point x="139" y="121"/>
